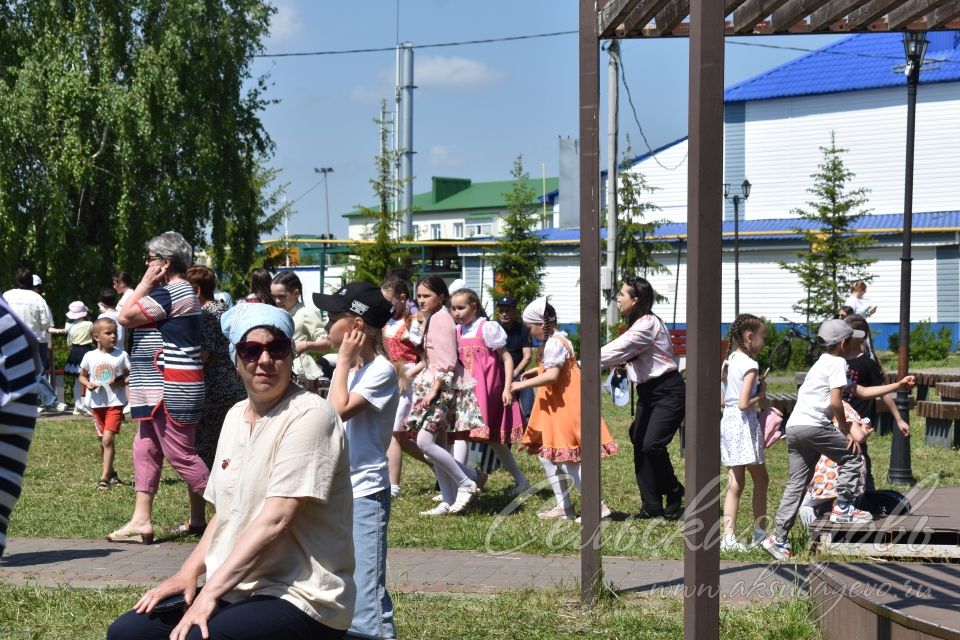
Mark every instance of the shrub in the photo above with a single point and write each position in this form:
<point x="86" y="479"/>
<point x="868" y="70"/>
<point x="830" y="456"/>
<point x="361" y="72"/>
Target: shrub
<point x="925" y="343"/>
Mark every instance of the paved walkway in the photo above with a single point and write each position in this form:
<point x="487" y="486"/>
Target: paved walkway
<point x="93" y="563"/>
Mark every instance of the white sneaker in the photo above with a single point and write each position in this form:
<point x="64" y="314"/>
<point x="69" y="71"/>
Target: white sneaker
<point x="555" y="512"/>
<point x="465" y="496"/>
<point x="76" y="412"/>
<point x="604" y="512"/>
<point x="394" y="490"/>
<point x="730" y="543"/>
<point x="441" y="509"/>
<point x="437" y="498"/>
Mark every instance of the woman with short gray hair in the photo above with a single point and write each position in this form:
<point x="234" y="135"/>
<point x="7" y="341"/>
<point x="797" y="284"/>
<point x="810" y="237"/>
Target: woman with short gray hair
<point x="166" y="384"/>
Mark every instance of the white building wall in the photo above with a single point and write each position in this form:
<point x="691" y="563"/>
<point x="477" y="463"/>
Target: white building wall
<point x="778" y="148"/>
<point x="768" y="290"/>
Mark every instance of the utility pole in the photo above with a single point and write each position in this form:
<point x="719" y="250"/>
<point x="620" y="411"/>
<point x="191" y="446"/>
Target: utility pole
<point x="610" y="270"/>
<point x="405" y="124"/>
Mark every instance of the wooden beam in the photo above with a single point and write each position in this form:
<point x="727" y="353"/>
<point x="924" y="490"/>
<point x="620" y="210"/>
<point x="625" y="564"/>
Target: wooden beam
<point x="612" y="14"/>
<point x="590" y="559"/>
<point x="910" y="11"/>
<point x="786" y="17"/>
<point x="869" y="13"/>
<point x="640" y="17"/>
<point x="672" y="15"/>
<point x="701" y="554"/>
<point x="752" y="12"/>
<point x="729" y="6"/>
<point x="833" y="12"/>
<point x="940" y="17"/>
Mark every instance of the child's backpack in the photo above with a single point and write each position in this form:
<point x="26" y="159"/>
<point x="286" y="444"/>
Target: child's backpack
<point x="885" y="502"/>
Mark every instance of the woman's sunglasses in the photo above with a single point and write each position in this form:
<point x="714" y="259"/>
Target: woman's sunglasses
<point x="250" y="351"/>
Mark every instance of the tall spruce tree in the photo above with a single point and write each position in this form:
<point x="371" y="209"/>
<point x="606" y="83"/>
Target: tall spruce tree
<point x="636" y="235"/>
<point x="519" y="258"/>
<point x="381" y="251"/>
<point x="835" y="259"/>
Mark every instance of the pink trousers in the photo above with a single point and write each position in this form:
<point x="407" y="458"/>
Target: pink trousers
<point x="159" y="438"/>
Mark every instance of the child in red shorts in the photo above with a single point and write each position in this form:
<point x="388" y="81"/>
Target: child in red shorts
<point x="104" y="371"/>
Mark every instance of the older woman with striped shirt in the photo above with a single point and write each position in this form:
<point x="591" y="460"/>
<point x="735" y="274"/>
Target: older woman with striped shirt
<point x="166" y="383"/>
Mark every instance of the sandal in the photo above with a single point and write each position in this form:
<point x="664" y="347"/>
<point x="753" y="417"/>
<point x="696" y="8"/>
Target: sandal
<point x="185" y="528"/>
<point x="103" y="484"/>
<point x="115" y="480"/>
<point x="126" y="535"/>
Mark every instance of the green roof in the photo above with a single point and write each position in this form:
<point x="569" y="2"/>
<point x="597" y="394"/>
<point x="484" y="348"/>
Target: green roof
<point x="458" y="194"/>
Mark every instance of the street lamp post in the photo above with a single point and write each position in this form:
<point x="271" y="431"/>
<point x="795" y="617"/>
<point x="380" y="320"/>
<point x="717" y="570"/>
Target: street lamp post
<point x="326" y="193"/>
<point x="914" y="48"/>
<point x="326" y="171"/>
<point x="736" y="200"/>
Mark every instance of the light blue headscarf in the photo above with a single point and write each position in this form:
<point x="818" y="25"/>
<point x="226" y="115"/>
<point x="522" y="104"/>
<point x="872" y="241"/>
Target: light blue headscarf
<point x="244" y="317"/>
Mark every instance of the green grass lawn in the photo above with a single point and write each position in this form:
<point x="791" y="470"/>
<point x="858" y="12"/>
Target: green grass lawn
<point x="83" y="614"/>
<point x="60" y="500"/>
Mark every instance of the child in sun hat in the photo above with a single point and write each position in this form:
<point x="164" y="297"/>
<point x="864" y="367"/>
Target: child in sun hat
<point x="80" y="341"/>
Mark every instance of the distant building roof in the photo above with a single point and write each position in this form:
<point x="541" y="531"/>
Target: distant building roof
<point x="862" y="61"/>
<point x="783" y="228"/>
<point x="456" y="194"/>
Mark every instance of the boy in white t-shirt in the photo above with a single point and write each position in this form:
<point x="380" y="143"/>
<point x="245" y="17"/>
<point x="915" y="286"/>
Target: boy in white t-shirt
<point x="812" y="433"/>
<point x="103" y="371"/>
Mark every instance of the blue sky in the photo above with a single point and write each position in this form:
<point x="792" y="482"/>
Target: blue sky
<point x="476" y="107"/>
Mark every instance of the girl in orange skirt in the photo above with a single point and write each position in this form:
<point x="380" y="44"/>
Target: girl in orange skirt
<point x="553" y="431"/>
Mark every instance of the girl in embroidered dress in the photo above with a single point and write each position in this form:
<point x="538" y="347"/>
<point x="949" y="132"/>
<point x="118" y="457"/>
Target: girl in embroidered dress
<point x="434" y="398"/>
<point x="553" y="431"/>
<point x="402" y="341"/>
<point x="485" y="402"/>
<point x="741" y="437"/>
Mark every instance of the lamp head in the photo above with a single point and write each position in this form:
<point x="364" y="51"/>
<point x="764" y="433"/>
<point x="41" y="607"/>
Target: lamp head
<point x="915" y="45"/>
<point x="745" y="187"/>
<point x="726" y="189"/>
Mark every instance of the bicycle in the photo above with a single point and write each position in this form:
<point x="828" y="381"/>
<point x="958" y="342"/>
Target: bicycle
<point x="780" y="355"/>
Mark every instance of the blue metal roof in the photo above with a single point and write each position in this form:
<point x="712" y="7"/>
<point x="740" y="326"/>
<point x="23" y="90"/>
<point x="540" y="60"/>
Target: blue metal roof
<point x="783" y="228"/>
<point x="862" y="61"/>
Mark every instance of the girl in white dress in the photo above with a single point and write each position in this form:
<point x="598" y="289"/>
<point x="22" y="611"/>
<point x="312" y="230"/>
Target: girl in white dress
<point x="741" y="438"/>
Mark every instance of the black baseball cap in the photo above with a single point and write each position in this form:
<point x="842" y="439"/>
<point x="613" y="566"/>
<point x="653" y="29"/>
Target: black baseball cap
<point x="506" y="301"/>
<point x="359" y="298"/>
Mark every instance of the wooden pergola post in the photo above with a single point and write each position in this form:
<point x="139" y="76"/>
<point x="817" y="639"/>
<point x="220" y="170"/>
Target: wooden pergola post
<point x="701" y="556"/>
<point x="590" y="575"/>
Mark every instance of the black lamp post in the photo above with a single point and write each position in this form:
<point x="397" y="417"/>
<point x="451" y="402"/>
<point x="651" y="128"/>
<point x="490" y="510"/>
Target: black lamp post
<point x="914" y="47"/>
<point x="736" y="200"/>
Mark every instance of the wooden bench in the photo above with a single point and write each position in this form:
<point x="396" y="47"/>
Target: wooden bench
<point x="679" y="339"/>
<point x="941" y="417"/>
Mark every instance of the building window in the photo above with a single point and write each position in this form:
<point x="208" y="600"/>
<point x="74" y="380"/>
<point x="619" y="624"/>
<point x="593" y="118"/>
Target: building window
<point x="435" y="232"/>
<point x="416" y="232"/>
<point x="480" y="229"/>
<point x="458" y="230"/>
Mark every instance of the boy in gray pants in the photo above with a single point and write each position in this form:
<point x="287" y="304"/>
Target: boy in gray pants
<point x="812" y="433"/>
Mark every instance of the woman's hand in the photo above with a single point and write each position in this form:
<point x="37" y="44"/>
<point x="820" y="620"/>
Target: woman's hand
<point x="199" y="613"/>
<point x="529" y="373"/>
<point x="907" y="383"/>
<point x="155" y="275"/>
<point x="351" y="345"/>
<point x="174" y="585"/>
<point x="507" y="396"/>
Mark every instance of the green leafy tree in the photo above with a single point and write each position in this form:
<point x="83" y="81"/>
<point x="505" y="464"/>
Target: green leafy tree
<point x="381" y="252"/>
<point x="835" y="259"/>
<point x="637" y="242"/>
<point x="123" y="119"/>
<point x="519" y="259"/>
